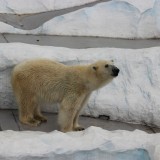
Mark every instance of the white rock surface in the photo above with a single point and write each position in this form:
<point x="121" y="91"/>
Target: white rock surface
<point x="117" y="19"/>
<point x="101" y="20"/>
<point x="149" y="24"/>
<point x="36" y="6"/>
<point x="93" y="143"/>
<point x="141" y="5"/>
<point x="132" y="97"/>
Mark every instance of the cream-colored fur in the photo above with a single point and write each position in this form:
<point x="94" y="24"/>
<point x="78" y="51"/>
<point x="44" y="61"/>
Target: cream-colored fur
<point x="53" y="82"/>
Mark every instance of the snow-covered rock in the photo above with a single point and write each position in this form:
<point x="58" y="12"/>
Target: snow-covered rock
<point x="117" y="19"/>
<point x="108" y="19"/>
<point x="141" y="5"/>
<point x="149" y="23"/>
<point x="93" y="143"/>
<point x="36" y="6"/>
<point x="132" y="97"/>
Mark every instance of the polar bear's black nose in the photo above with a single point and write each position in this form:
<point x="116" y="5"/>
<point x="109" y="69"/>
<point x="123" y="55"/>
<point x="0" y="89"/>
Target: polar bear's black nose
<point x="115" y="71"/>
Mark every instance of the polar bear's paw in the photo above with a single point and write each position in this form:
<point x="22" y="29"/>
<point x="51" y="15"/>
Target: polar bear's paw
<point x="79" y="128"/>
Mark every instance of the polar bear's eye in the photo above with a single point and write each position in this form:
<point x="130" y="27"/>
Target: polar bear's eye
<point x="106" y="66"/>
<point x="94" y="67"/>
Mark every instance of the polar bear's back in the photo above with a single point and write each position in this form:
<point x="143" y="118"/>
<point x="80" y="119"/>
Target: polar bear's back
<point x="38" y="65"/>
<point x="39" y="76"/>
<point x="45" y="78"/>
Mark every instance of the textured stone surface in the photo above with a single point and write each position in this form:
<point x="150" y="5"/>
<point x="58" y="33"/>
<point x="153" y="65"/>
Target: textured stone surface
<point x="30" y="6"/>
<point x="90" y="21"/>
<point x="93" y="143"/>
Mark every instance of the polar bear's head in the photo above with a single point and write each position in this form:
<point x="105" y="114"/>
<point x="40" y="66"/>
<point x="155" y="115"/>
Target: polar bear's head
<point x="105" y="71"/>
<point x="105" y="68"/>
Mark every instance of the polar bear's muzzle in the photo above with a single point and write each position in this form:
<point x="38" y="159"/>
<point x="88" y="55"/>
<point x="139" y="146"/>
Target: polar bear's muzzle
<point x="115" y="71"/>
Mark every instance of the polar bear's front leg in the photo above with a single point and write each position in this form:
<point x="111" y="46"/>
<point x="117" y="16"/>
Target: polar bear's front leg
<point x="76" y="125"/>
<point x="69" y="108"/>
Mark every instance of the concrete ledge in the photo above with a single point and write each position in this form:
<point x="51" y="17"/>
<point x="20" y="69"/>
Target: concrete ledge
<point x="80" y="42"/>
<point x="9" y="121"/>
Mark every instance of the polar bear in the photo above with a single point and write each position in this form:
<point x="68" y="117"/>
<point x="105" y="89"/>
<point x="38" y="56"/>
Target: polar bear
<point x="45" y="80"/>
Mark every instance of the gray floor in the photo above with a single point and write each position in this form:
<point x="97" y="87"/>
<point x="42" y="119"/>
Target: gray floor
<point x="9" y="121"/>
<point x="79" y="42"/>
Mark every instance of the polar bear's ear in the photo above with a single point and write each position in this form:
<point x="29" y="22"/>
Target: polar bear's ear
<point x="95" y="68"/>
